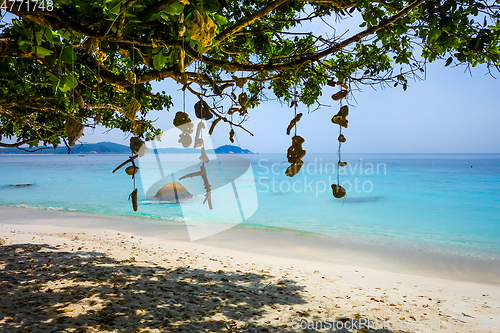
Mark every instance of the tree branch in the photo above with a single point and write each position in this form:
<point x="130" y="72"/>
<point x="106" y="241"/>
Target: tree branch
<point x="313" y="57"/>
<point x="243" y="23"/>
<point x="9" y="49"/>
<point x="46" y="18"/>
<point x="337" y="3"/>
<point x="17" y="144"/>
<point x="121" y="19"/>
<point x="156" y="7"/>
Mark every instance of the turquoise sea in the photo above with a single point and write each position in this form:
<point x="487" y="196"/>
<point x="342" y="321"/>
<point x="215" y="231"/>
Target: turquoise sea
<point x="449" y="202"/>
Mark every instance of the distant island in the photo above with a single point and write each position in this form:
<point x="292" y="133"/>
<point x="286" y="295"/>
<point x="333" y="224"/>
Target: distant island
<point x="88" y="148"/>
<point x="115" y="148"/>
<point x="229" y="149"/>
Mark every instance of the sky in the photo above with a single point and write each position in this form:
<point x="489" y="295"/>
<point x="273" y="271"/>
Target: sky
<point x="451" y="111"/>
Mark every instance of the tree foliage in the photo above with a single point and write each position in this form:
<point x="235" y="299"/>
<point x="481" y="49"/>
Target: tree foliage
<point x="85" y="61"/>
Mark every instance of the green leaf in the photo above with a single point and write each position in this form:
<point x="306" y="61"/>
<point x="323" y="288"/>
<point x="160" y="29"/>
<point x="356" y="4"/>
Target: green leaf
<point x="24" y="44"/>
<point x="68" y="55"/>
<point x="52" y="77"/>
<point x="220" y="20"/>
<point x="114" y="6"/>
<point x="38" y="37"/>
<point x="449" y="61"/>
<point x="66" y="35"/>
<point x="159" y="60"/>
<point x="66" y="83"/>
<point x="41" y="51"/>
<point x="48" y="36"/>
<point x="174" y="9"/>
<point x="209" y="7"/>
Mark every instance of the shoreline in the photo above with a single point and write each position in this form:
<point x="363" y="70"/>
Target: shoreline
<point x="412" y="259"/>
<point x="81" y="273"/>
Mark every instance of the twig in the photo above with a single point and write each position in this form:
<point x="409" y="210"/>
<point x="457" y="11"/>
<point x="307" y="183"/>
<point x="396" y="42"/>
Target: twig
<point x="127" y="161"/>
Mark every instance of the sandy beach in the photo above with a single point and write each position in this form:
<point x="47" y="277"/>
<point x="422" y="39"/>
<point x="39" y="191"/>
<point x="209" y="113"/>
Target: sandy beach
<point x="74" y="272"/>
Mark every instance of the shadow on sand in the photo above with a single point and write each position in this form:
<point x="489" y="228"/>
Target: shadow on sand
<point x="43" y="289"/>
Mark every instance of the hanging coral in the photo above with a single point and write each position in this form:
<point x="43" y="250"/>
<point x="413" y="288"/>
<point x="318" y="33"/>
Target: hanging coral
<point x="131" y="170"/>
<point x="137" y="146"/>
<point x="339" y="95"/>
<point x="131" y="77"/>
<point x="198" y="141"/>
<point x="295" y="154"/>
<point x="340" y="119"/>
<point x="293" y="122"/>
<point x="338" y="191"/>
<point x="133" y="107"/>
<point x="201" y="29"/>
<point x="183" y="122"/>
<point x="202" y="111"/>
<point x="74" y="130"/>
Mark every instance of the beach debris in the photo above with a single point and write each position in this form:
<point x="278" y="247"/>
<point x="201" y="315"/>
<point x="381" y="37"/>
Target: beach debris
<point x="202" y="110"/>
<point x="212" y="127"/>
<point x="203" y="174"/>
<point x="185" y="137"/>
<point x="173" y="192"/>
<point x="182" y="122"/>
<point x="339" y="95"/>
<point x="203" y="157"/>
<point x="293" y="122"/>
<point x="127" y="161"/>
<point x="294" y="168"/>
<point x="231" y="135"/>
<point x="340" y="117"/>
<point x="133" y="107"/>
<point x="131" y="170"/>
<point x="338" y="191"/>
<point x="133" y="195"/>
<point x="74" y="130"/>
<point x="131" y="77"/>
<point x="295" y="154"/>
<point x="137" y="146"/>
<point x="240" y="82"/>
<point x="201" y="29"/>
<point x="181" y="118"/>
<point x="243" y="99"/>
<point x="333" y="83"/>
<point x="198" y="141"/>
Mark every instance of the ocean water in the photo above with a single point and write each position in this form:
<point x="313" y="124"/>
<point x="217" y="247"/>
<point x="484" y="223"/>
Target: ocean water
<point x="448" y="202"/>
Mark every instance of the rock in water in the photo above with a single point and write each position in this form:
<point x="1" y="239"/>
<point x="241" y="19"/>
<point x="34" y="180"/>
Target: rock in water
<point x="173" y="192"/>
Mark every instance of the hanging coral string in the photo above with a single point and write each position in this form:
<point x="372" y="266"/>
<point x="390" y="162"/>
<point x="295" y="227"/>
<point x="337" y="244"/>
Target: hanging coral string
<point x="339" y="119"/>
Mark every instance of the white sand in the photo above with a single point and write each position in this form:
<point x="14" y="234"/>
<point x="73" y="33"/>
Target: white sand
<point x="58" y="274"/>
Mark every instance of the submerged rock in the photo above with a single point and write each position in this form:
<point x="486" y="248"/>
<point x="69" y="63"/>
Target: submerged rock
<point x="173" y="192"/>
